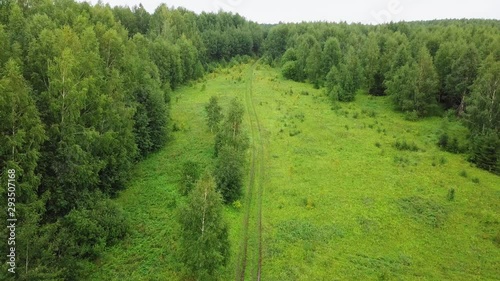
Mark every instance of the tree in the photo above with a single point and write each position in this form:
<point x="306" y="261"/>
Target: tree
<point x="463" y="72"/>
<point x="204" y="240"/>
<point x="413" y="87"/>
<point x="313" y="64"/>
<point x="370" y="59"/>
<point x="343" y="81"/>
<point x="230" y="131"/>
<point x="21" y="136"/>
<point x="483" y="110"/>
<point x="331" y="54"/>
<point x="276" y="42"/>
<point x="214" y="114"/>
<point x="483" y="116"/>
<point x="229" y="173"/>
<point x="402" y="87"/>
<point x="427" y="82"/>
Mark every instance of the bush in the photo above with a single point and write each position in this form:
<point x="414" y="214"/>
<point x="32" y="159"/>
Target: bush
<point x="443" y="141"/>
<point x="451" y="146"/>
<point x="463" y="173"/>
<point x="411" y="115"/>
<point x="290" y="70"/>
<point x="189" y="175"/>
<point x="451" y="194"/>
<point x="404" y="145"/>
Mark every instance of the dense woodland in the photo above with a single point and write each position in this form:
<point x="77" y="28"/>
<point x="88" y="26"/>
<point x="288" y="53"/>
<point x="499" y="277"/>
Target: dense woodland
<point x="85" y="95"/>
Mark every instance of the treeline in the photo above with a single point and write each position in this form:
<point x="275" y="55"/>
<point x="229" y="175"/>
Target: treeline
<point x="204" y="240"/>
<point x="425" y="67"/>
<point x="84" y="95"/>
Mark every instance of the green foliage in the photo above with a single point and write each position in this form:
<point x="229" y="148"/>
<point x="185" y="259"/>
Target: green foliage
<point x="404" y="145"/>
<point x="343" y="82"/>
<point x="204" y="245"/>
<point x="414" y="85"/>
<point x="230" y="131"/>
<point x="331" y="55"/>
<point x="229" y="173"/>
<point x="485" y="151"/>
<point x="452" y="145"/>
<point x="85" y="93"/>
<point x="276" y="42"/>
<point x="190" y="174"/>
<point x="214" y="114"/>
<point x="483" y="117"/>
<point x="290" y="70"/>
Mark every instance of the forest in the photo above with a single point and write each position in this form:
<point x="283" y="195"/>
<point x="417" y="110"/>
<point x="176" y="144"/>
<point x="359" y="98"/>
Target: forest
<point x="87" y="94"/>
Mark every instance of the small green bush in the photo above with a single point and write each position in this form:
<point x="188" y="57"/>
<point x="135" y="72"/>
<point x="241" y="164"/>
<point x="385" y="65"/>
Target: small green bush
<point x="404" y="145"/>
<point x="411" y="115"/>
<point x="463" y="173"/>
<point x="451" y="194"/>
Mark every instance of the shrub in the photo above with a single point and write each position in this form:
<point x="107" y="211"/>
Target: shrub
<point x="451" y="194"/>
<point x="403" y="145"/>
<point x="411" y="115"/>
<point x="463" y="173"/>
<point x="189" y="175"/>
<point x="443" y="141"/>
<point x="237" y="204"/>
<point x="443" y="160"/>
<point x="446" y="144"/>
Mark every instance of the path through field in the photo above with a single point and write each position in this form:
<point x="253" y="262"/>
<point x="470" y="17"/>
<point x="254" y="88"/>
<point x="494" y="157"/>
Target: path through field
<point x="250" y="254"/>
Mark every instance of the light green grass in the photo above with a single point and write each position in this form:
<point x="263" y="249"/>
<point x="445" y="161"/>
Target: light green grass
<point x="335" y="205"/>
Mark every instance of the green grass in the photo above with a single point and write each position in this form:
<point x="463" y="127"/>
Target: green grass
<point x="340" y="202"/>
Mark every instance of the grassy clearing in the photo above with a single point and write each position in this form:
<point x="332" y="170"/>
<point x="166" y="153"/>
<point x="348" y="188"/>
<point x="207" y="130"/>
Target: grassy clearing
<point x="340" y="200"/>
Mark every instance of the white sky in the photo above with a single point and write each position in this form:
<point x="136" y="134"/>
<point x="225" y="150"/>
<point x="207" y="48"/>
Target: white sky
<point x="364" y="11"/>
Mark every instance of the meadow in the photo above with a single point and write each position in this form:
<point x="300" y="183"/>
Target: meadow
<point x="346" y="191"/>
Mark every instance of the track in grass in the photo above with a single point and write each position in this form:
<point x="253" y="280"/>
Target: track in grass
<point x="250" y="256"/>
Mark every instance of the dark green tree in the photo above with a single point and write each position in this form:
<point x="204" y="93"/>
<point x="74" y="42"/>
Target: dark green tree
<point x="463" y="73"/>
<point x="483" y="116"/>
<point x="21" y="136"/>
<point x="229" y="173"/>
<point x="414" y="86"/>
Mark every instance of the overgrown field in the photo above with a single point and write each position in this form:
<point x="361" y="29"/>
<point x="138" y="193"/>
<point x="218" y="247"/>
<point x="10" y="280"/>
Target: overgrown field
<point x="350" y="192"/>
